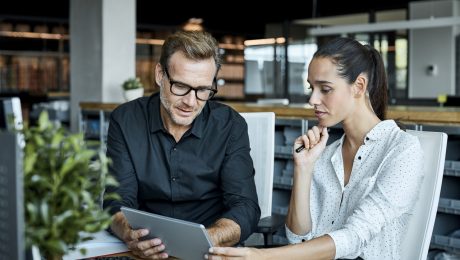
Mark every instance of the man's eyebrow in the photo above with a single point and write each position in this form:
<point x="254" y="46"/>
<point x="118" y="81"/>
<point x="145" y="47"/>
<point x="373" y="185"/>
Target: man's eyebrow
<point x="188" y="85"/>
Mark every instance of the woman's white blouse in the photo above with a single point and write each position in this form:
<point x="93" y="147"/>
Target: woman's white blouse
<point x="368" y="217"/>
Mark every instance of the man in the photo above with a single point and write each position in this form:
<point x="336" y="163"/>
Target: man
<point x="177" y="154"/>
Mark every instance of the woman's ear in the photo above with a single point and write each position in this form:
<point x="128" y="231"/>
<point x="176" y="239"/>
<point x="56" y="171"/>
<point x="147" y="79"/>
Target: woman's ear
<point x="360" y="85"/>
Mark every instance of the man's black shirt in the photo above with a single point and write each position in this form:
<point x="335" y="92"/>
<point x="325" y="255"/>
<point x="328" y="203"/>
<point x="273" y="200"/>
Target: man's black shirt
<point x="205" y="176"/>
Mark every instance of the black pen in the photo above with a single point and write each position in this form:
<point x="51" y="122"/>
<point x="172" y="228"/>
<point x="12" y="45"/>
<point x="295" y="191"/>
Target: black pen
<point x="298" y="150"/>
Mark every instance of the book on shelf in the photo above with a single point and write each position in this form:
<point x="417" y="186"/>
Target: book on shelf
<point x="38" y="74"/>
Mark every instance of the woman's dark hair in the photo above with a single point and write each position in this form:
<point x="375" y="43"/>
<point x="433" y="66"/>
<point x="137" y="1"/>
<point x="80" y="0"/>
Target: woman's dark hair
<point x="352" y="58"/>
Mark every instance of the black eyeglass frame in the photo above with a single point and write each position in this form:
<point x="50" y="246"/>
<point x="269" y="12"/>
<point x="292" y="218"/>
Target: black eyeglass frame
<point x="190" y="88"/>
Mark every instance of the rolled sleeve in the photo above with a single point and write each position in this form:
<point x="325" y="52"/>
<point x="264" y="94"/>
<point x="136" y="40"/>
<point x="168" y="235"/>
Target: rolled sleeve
<point x="293" y="238"/>
<point x="342" y="247"/>
<point x="237" y="181"/>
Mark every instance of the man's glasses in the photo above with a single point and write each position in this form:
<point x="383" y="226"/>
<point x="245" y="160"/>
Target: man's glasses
<point x="182" y="89"/>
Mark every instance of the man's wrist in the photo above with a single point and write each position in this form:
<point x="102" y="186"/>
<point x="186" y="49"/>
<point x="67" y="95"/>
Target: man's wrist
<point x="120" y="226"/>
<point x="224" y="232"/>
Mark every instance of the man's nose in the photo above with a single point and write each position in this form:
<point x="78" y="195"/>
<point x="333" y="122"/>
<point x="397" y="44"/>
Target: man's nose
<point x="190" y="98"/>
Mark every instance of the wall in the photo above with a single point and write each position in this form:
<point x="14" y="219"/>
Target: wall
<point x="432" y="51"/>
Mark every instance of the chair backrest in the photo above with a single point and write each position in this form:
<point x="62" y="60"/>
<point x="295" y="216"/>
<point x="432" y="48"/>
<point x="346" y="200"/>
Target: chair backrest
<point x="417" y="240"/>
<point x="261" y="130"/>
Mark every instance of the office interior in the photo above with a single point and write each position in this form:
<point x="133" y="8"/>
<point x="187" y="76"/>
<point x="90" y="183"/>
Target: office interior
<point x="72" y="61"/>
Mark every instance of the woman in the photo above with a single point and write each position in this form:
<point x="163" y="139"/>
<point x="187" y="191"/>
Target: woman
<point x="353" y="198"/>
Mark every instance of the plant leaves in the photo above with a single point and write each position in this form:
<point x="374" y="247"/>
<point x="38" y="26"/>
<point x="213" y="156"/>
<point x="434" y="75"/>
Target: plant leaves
<point x="63" y="183"/>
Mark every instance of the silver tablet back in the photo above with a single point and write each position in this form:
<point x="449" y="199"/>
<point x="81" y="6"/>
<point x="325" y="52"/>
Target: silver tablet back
<point x="182" y="239"/>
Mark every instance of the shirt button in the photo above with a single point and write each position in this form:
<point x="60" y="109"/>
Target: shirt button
<point x="303" y="240"/>
<point x="367" y="138"/>
<point x="173" y="178"/>
<point x="174" y="149"/>
<point x="359" y="157"/>
<point x="333" y="222"/>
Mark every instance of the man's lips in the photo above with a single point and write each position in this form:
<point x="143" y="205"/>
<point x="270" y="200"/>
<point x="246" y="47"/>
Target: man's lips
<point x="185" y="110"/>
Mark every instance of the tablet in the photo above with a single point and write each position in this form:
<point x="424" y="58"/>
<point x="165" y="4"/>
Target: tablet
<point x="182" y="239"/>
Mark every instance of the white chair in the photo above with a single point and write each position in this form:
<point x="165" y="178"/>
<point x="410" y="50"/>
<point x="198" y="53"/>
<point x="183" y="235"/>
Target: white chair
<point x="261" y="131"/>
<point x="417" y="239"/>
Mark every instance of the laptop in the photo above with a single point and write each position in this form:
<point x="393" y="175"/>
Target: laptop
<point x="182" y="239"/>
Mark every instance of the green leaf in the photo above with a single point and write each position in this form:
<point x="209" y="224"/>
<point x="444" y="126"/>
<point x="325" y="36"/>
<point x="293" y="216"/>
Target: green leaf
<point x="63" y="183"/>
<point x="43" y="121"/>
<point x="44" y="214"/>
<point x="29" y="162"/>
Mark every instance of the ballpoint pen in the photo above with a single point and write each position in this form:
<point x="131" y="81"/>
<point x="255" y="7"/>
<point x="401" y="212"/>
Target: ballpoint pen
<point x="298" y="150"/>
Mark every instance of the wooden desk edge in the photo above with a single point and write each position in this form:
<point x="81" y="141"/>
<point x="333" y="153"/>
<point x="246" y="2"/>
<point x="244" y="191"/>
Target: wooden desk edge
<point x="429" y="115"/>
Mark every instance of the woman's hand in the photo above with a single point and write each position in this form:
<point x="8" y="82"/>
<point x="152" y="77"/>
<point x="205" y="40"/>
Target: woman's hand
<point x="227" y="253"/>
<point x="314" y="141"/>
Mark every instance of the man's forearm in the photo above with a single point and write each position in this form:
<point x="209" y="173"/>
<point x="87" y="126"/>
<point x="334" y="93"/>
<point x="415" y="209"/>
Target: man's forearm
<point x="225" y="232"/>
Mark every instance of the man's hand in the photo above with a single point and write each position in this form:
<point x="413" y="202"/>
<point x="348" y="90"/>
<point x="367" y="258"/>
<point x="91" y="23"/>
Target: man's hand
<point x="146" y="249"/>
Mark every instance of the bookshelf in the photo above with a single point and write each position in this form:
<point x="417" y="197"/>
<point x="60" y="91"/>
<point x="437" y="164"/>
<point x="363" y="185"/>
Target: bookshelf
<point x="33" y="62"/>
<point x="36" y="62"/>
<point x="34" y="66"/>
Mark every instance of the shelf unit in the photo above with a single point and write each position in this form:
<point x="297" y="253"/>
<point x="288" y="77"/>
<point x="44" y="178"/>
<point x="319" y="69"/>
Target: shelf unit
<point x="42" y="67"/>
<point x="38" y="62"/>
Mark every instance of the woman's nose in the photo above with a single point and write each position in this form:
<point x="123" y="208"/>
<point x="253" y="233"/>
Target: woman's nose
<point x="314" y="99"/>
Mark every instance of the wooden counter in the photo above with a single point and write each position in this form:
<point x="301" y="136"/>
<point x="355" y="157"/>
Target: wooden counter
<point x="407" y="114"/>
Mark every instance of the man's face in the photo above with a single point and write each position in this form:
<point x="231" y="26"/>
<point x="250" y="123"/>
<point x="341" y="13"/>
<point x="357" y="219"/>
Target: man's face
<point x="180" y="111"/>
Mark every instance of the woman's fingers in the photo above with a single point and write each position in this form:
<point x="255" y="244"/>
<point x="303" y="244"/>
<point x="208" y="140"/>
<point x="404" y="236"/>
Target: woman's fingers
<point x="314" y="136"/>
<point x="221" y="253"/>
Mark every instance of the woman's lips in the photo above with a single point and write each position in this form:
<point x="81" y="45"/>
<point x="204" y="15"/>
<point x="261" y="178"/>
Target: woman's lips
<point x="319" y="114"/>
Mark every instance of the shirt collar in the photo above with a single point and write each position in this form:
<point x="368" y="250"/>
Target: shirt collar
<point x="156" y="123"/>
<point x="380" y="130"/>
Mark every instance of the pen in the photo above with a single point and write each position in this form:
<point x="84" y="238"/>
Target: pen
<point x="298" y="150"/>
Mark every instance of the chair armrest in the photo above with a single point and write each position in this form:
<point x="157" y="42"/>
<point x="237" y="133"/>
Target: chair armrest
<point x="268" y="226"/>
<point x="271" y="223"/>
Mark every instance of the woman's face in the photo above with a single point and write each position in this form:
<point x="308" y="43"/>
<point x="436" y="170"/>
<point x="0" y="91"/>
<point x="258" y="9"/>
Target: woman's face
<point x="331" y="96"/>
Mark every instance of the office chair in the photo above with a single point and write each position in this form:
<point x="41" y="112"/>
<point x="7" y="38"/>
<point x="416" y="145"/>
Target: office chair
<point x="417" y="239"/>
<point x="261" y="131"/>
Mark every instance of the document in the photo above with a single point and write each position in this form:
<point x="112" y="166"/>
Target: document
<point x="103" y="243"/>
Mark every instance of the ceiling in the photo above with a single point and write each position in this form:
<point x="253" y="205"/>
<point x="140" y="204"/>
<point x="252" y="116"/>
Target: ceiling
<point x="227" y="17"/>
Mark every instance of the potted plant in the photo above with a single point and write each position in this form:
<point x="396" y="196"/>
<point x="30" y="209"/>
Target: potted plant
<point x="63" y="186"/>
<point x="133" y="89"/>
